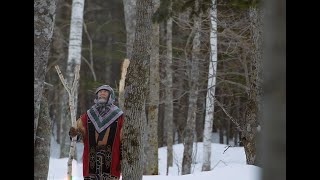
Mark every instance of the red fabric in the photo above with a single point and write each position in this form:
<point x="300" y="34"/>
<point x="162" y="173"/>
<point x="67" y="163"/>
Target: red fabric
<point x="85" y="155"/>
<point x="115" y="163"/>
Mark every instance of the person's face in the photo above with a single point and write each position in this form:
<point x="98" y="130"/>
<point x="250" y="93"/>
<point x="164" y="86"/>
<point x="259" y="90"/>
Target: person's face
<point x="103" y="96"/>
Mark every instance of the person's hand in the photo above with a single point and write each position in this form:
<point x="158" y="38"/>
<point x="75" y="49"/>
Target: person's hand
<point x="73" y="132"/>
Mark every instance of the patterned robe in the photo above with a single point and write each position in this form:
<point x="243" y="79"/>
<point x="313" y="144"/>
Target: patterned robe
<point x="102" y="151"/>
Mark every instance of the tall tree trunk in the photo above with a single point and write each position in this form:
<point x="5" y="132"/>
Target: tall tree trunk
<point x="58" y="114"/>
<point x="227" y="125"/>
<point x="74" y="58"/>
<point x="130" y="20"/>
<point x="145" y="133"/>
<point x="168" y="112"/>
<point x="59" y="52"/>
<point x="254" y="94"/>
<point x="190" y="127"/>
<point x="206" y="166"/>
<point x="44" y="18"/>
<point x="42" y="145"/>
<point x="274" y="87"/>
<point x="181" y="85"/>
<point x="162" y="134"/>
<point x="65" y="125"/>
<point x="135" y="94"/>
<point x="58" y="55"/>
<point x="108" y="57"/>
<point x="236" y="132"/>
<point x="181" y="101"/>
<point x="154" y="80"/>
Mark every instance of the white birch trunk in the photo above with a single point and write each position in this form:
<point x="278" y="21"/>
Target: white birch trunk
<point x="74" y="59"/>
<point x="75" y="38"/>
<point x="168" y="112"/>
<point x="206" y="166"/>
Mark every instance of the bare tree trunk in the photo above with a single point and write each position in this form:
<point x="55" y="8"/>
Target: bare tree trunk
<point x="65" y="125"/>
<point x="154" y="80"/>
<point x="220" y="122"/>
<point x="181" y="86"/>
<point x="228" y="125"/>
<point x="108" y="68"/>
<point x="249" y="137"/>
<point x="135" y="94"/>
<point x="193" y="95"/>
<point x="206" y="166"/>
<point x="180" y="107"/>
<point x="162" y="59"/>
<point x="42" y="145"/>
<point x="168" y="113"/>
<point x="221" y="133"/>
<point x="44" y="18"/>
<point x="130" y="20"/>
<point x="74" y="59"/>
<point x="236" y="132"/>
<point x="253" y="108"/>
<point x="145" y="134"/>
<point x="274" y="87"/>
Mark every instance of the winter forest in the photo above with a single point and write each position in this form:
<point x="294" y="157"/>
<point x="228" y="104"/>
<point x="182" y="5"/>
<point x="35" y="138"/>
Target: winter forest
<point x="181" y="70"/>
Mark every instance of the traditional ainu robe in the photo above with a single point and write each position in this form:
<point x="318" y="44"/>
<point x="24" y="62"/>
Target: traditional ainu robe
<point x="102" y="146"/>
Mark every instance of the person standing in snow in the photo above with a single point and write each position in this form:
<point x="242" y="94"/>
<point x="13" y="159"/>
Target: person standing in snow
<point x="99" y="128"/>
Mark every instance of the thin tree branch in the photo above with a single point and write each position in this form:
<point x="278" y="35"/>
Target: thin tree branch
<point x="232" y="119"/>
<point x="234" y="83"/>
<point x="90" y="67"/>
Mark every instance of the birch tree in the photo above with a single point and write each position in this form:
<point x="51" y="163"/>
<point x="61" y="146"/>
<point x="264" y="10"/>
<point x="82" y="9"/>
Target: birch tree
<point x="193" y="95"/>
<point x="135" y="94"/>
<point x="44" y="18"/>
<point x="273" y="144"/>
<point x="154" y="80"/>
<point x="74" y="59"/>
<point x="206" y="166"/>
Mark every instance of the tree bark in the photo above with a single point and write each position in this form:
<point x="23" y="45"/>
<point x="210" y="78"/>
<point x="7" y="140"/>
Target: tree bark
<point x="168" y="112"/>
<point x="153" y="105"/>
<point x="206" y="166"/>
<point x="254" y="94"/>
<point x="130" y="20"/>
<point x="44" y="18"/>
<point x="74" y="59"/>
<point x="42" y="145"/>
<point x="135" y="94"/>
<point x="190" y="127"/>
